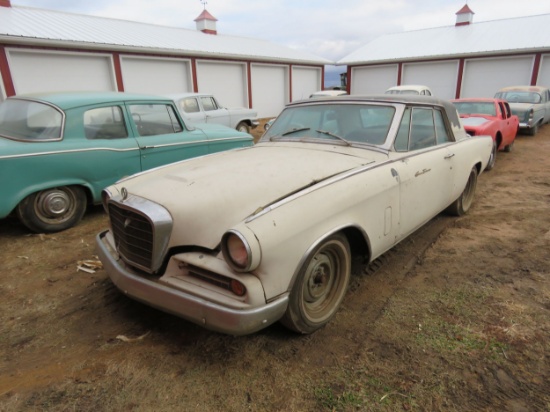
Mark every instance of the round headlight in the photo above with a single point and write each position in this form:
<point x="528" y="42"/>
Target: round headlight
<point x="236" y="251"/>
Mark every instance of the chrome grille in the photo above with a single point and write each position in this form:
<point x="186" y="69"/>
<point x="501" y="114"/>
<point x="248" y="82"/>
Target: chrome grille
<point x="134" y="236"/>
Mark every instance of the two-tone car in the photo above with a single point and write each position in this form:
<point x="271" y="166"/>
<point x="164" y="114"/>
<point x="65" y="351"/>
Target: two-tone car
<point x="239" y="240"/>
<point x="205" y="108"/>
<point x="531" y="104"/>
<point x="58" y="151"/>
<point x="493" y="117"/>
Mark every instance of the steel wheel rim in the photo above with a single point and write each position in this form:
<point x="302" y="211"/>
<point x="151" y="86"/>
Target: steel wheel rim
<point x="55" y="205"/>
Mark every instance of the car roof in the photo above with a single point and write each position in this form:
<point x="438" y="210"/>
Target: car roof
<point x="177" y="96"/>
<point x="67" y="100"/>
<point x="478" y="99"/>
<point x="537" y="89"/>
<point x="409" y="87"/>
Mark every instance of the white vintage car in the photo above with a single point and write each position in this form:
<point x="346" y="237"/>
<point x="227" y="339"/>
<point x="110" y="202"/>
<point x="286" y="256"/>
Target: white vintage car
<point x="205" y="108"/>
<point x="239" y="240"/>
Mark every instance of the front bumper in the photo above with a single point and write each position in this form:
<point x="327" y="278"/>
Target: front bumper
<point x="208" y="314"/>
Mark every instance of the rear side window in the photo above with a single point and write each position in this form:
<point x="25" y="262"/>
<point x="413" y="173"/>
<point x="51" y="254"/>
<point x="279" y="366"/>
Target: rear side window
<point x="105" y="123"/>
<point x="30" y="121"/>
<point x="155" y="119"/>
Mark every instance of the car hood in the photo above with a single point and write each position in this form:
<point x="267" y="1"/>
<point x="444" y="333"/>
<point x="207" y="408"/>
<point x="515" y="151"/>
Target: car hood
<point x="208" y="195"/>
<point x="474" y="121"/>
<point x="214" y="129"/>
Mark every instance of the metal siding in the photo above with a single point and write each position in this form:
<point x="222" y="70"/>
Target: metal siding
<point x="484" y="77"/>
<point x="373" y="80"/>
<point x="41" y="71"/>
<point x="270" y="87"/>
<point x="544" y="72"/>
<point x="154" y="75"/>
<point x="226" y="81"/>
<point x="305" y="81"/>
<point x="441" y="77"/>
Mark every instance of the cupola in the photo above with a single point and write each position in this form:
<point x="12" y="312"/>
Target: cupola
<point x="206" y="23"/>
<point x="464" y="16"/>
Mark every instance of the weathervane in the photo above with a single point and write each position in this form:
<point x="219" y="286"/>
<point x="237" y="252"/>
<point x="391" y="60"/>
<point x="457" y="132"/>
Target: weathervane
<point x="204" y="3"/>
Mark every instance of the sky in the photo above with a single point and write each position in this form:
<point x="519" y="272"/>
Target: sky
<point x="327" y="28"/>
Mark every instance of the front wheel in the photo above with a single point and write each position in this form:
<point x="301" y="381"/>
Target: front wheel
<point x="533" y="130"/>
<point x="492" y="157"/>
<point x="320" y="286"/>
<point x="461" y="205"/>
<point x="243" y="127"/>
<point x="52" y="210"/>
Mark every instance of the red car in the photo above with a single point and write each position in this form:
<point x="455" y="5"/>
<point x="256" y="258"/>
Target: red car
<point x="491" y="117"/>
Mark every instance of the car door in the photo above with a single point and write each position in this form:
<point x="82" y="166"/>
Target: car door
<point x="425" y="170"/>
<point x="190" y="109"/>
<point x="213" y="112"/>
<point x="509" y="128"/>
<point x="161" y="137"/>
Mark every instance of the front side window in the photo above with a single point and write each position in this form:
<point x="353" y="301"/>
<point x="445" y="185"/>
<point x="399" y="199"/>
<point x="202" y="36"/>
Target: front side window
<point x="155" y="119"/>
<point x="30" y="121"/>
<point x="105" y="123"/>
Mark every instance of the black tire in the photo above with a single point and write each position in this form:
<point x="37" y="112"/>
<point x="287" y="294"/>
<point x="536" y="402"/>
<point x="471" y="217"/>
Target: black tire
<point x="492" y="157"/>
<point x="52" y="210"/>
<point x="508" y="148"/>
<point x="533" y="130"/>
<point x="320" y="286"/>
<point x="461" y="205"/>
<point x="243" y="127"/>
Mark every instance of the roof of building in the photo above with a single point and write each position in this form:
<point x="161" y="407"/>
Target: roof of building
<point x="32" y="26"/>
<point x="515" y="35"/>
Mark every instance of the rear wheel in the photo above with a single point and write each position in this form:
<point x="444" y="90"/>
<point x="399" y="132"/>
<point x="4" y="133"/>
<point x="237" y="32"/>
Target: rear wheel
<point x="243" y="127"/>
<point x="461" y="205"/>
<point x="320" y="286"/>
<point x="52" y="210"/>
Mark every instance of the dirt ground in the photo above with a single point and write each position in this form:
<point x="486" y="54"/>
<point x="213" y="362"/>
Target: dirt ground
<point x="455" y="318"/>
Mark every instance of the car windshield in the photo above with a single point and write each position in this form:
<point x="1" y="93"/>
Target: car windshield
<point x="487" y="108"/>
<point x="29" y="120"/>
<point x="344" y="123"/>
<point x="520" y="97"/>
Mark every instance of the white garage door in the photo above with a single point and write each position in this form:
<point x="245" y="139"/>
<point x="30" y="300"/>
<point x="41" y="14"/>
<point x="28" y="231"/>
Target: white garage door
<point x="374" y="79"/>
<point x="440" y="77"/>
<point x="544" y="72"/>
<point x="269" y="89"/>
<point x="157" y="76"/>
<point x="484" y="77"/>
<point x="305" y="81"/>
<point x="226" y="81"/>
<point x="60" y="71"/>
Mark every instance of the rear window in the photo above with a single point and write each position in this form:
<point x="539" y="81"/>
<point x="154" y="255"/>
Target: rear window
<point x="30" y="120"/>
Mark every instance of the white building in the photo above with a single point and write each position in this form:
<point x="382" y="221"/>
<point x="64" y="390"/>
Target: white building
<point x="44" y="50"/>
<point x="465" y="60"/>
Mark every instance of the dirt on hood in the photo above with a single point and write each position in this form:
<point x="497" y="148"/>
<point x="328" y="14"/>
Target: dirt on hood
<point x="454" y="318"/>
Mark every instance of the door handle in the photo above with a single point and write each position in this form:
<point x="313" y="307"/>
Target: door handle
<point x="449" y="156"/>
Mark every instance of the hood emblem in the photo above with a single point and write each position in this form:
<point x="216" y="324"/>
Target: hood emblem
<point x="124" y="194"/>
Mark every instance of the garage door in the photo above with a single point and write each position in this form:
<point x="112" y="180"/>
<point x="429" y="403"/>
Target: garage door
<point x="158" y="76"/>
<point x="269" y="89"/>
<point x="483" y="77"/>
<point x="60" y="71"/>
<point x="226" y="81"/>
<point x="440" y="77"/>
<point x="544" y="72"/>
<point x="305" y="81"/>
<point x="374" y="79"/>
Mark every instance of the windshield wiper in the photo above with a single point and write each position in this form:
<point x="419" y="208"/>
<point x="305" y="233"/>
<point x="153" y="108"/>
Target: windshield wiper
<point x="334" y="135"/>
<point x="301" y="129"/>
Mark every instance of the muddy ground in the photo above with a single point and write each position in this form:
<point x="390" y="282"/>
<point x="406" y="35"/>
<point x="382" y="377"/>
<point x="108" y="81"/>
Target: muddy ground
<point x="455" y="318"/>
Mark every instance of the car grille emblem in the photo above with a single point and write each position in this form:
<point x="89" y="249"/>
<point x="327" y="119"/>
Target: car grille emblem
<point x="127" y="223"/>
<point x="124" y="194"/>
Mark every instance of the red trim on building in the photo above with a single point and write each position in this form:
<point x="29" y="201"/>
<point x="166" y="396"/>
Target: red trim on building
<point x="464" y="10"/>
<point x="399" y="73"/>
<point x="118" y="72"/>
<point x="5" y="3"/>
<point x="194" y="72"/>
<point x="536" y="68"/>
<point x="208" y="31"/>
<point x="459" y="78"/>
<point x="323" y="78"/>
<point x="6" y="73"/>
<point x="249" y="83"/>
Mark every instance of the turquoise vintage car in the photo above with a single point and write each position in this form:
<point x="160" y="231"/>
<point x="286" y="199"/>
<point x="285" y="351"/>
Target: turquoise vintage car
<point x="59" y="150"/>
